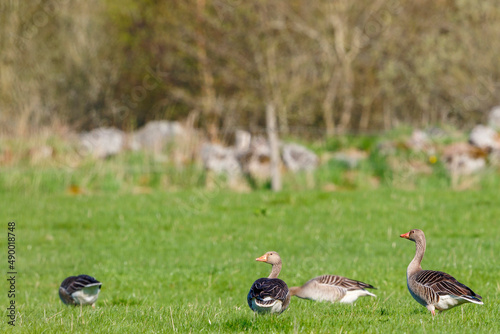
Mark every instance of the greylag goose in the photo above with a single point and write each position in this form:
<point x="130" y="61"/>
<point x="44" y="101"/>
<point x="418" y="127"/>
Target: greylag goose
<point x="434" y="289"/>
<point x="80" y="290"/>
<point x="333" y="289"/>
<point x="269" y="295"/>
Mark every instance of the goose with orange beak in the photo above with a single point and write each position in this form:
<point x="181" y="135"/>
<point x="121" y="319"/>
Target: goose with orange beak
<point x="435" y="290"/>
<point x="269" y="295"/>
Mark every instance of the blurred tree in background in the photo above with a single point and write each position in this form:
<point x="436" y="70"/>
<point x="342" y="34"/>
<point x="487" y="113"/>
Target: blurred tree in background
<point x="332" y="66"/>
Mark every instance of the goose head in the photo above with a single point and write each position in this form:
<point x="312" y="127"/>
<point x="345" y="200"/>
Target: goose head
<point x="270" y="257"/>
<point x="414" y="235"/>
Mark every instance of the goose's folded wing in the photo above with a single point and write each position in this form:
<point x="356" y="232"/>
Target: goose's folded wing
<point x="77" y="283"/>
<point x="267" y="290"/>
<point x="443" y="283"/>
<point x="343" y="282"/>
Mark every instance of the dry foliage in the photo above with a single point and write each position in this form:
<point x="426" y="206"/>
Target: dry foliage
<point x="336" y="65"/>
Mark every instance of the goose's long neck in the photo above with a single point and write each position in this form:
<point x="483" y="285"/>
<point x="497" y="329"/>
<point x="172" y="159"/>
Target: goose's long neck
<point x="415" y="264"/>
<point x="275" y="271"/>
<point x="295" y="291"/>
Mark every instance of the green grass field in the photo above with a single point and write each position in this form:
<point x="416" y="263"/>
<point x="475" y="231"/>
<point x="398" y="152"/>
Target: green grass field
<point x="184" y="261"/>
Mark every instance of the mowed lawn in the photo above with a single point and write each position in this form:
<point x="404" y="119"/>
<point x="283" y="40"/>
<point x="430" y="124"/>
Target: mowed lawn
<point x="184" y="261"/>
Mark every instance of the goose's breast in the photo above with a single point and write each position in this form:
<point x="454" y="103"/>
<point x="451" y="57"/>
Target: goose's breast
<point x="414" y="292"/>
<point x="274" y="307"/>
<point x="87" y="295"/>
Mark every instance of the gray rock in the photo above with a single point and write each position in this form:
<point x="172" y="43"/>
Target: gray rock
<point x="256" y="161"/>
<point x="494" y="118"/>
<point x="103" y="142"/>
<point x="464" y="159"/>
<point x="484" y="137"/>
<point x="154" y="136"/>
<point x="219" y="159"/>
<point x="298" y="158"/>
<point x="243" y="140"/>
<point x="419" y="141"/>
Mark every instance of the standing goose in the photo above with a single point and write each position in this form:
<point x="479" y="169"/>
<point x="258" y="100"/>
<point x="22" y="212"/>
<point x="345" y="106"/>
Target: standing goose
<point x="269" y="295"/>
<point x="333" y="289"/>
<point x="434" y="289"/>
<point x="80" y="290"/>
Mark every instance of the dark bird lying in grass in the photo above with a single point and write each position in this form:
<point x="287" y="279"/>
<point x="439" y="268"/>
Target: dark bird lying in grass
<point x="80" y="290"/>
<point x="333" y="289"/>
<point x="434" y="289"/>
<point x="269" y="295"/>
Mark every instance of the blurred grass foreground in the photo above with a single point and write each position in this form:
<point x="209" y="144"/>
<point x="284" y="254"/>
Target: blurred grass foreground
<point x="167" y="156"/>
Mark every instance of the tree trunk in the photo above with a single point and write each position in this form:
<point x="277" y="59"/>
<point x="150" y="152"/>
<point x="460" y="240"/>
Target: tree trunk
<point x="208" y="96"/>
<point x="272" y="135"/>
<point x="348" y="97"/>
<point x="387" y="116"/>
<point x="364" y="119"/>
<point x="327" y="105"/>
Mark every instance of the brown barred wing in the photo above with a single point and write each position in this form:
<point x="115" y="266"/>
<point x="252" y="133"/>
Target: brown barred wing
<point x="343" y="282"/>
<point x="444" y="284"/>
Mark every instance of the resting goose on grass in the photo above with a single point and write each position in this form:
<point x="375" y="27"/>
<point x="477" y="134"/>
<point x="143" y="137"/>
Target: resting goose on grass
<point x="434" y="289"/>
<point x="269" y="295"/>
<point x="80" y="290"/>
<point x="333" y="289"/>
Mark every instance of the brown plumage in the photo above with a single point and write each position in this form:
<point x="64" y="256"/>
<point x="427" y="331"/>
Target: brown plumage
<point x="333" y="289"/>
<point x="435" y="290"/>
<point x="269" y="295"/>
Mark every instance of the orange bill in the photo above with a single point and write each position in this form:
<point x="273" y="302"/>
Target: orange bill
<point x="263" y="258"/>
